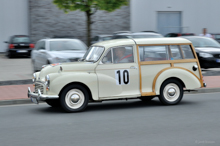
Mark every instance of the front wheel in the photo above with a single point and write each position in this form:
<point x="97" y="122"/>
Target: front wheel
<point x="171" y="92"/>
<point x="74" y="98"/>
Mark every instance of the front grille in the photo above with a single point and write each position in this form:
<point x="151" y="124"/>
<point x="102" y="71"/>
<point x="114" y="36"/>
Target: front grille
<point x="216" y="55"/>
<point x="39" y="86"/>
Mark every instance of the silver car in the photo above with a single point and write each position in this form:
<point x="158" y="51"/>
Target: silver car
<point x="49" y="51"/>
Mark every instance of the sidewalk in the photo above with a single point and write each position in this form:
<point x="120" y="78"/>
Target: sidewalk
<point x="17" y="94"/>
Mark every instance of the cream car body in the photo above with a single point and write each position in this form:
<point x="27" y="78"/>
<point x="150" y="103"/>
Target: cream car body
<point x="138" y="78"/>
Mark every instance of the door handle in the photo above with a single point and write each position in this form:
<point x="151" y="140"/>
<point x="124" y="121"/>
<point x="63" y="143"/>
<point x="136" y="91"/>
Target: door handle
<point x="133" y="67"/>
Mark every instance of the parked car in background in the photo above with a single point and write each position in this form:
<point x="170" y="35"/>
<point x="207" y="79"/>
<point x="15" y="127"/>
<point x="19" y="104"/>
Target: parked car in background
<point x="19" y="45"/>
<point x="216" y="36"/>
<point x="124" y="31"/>
<point x="137" y="35"/>
<point x="50" y="51"/>
<point x="146" y="35"/>
<point x="65" y="36"/>
<point x="207" y="50"/>
<point x="178" y="34"/>
<point x="100" y="38"/>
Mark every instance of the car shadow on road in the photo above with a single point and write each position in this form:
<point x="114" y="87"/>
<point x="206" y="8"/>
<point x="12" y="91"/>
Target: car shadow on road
<point x="115" y="105"/>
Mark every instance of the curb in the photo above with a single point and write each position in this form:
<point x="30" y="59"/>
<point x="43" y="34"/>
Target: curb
<point x="16" y="82"/>
<point x="15" y="101"/>
<point x="28" y="100"/>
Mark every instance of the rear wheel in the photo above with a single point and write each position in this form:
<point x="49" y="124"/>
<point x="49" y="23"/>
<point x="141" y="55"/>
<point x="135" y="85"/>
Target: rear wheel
<point x="171" y="92"/>
<point x="74" y="98"/>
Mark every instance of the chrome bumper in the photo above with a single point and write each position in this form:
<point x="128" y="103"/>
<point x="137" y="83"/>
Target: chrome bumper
<point x="36" y="97"/>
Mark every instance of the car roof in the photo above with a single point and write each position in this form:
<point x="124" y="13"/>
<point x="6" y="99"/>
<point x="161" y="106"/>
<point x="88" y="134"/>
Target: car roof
<point x="194" y="37"/>
<point x="140" y="41"/>
<point x="57" y="39"/>
<point x="145" y="33"/>
<point x="104" y="35"/>
<point x="161" y="41"/>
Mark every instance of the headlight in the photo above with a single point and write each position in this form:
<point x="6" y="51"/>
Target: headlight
<point x="34" y="77"/>
<point x="47" y="82"/>
<point x="205" y="55"/>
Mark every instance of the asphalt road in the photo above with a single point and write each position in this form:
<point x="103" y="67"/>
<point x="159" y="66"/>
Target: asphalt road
<point x="195" y="121"/>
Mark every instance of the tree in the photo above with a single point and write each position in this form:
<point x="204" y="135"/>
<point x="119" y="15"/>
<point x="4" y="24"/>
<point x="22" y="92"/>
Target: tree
<point x="89" y="7"/>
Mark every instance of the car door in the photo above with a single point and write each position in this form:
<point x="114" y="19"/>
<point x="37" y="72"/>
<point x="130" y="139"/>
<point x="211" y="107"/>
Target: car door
<point x="117" y="78"/>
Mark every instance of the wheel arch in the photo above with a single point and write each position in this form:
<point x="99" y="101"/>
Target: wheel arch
<point x="78" y="83"/>
<point x="186" y="78"/>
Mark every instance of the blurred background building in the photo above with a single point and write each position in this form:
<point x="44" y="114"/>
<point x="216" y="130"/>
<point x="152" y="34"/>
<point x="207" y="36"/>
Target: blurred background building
<point x="42" y="19"/>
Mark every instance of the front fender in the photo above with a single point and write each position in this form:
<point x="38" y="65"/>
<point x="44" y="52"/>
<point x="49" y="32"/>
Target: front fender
<point x="190" y="80"/>
<point x="59" y="80"/>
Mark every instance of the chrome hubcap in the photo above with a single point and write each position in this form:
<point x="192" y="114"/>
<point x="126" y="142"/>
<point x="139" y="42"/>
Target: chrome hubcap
<point x="171" y="92"/>
<point x="74" y="98"/>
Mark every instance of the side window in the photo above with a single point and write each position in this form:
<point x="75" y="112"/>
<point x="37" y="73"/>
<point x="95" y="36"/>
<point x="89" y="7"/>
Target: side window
<point x="187" y="51"/>
<point x="176" y="52"/>
<point x="42" y="45"/>
<point x="153" y="53"/>
<point x="108" y="57"/>
<point x="123" y="54"/>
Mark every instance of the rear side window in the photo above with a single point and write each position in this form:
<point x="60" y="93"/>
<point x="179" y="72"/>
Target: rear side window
<point x="176" y="52"/>
<point x="187" y="52"/>
<point x="153" y="53"/>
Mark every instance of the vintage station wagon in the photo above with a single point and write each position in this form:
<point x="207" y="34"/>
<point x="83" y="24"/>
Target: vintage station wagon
<point x="121" y="69"/>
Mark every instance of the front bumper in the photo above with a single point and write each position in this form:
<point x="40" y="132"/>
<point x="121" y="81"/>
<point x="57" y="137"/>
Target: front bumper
<point x="36" y="97"/>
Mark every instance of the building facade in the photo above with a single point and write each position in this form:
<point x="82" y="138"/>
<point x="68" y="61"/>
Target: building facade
<point x="180" y="16"/>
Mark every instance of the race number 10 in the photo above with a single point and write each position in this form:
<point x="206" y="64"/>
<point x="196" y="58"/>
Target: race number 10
<point x="122" y="77"/>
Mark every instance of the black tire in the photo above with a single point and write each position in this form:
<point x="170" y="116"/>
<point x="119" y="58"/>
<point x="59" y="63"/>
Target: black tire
<point x="53" y="102"/>
<point x="146" y="98"/>
<point x="9" y="55"/>
<point x="171" y="92"/>
<point x="74" y="98"/>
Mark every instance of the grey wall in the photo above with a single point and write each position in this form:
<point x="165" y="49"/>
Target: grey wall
<point x="13" y="20"/>
<point x="196" y="14"/>
<point x="46" y="20"/>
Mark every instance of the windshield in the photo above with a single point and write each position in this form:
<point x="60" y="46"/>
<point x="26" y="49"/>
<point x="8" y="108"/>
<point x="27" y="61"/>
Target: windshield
<point x="67" y="45"/>
<point x="204" y="42"/>
<point x="147" y="36"/>
<point x="21" y="40"/>
<point x="93" y="54"/>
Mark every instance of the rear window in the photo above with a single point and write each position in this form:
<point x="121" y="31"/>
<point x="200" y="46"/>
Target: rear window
<point x="21" y="40"/>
